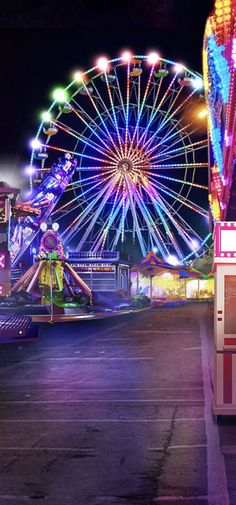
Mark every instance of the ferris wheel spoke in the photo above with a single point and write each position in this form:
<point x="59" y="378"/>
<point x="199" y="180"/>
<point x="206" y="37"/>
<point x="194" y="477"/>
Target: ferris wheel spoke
<point x="181" y="181"/>
<point x="96" y="213"/>
<point x="145" y="145"/>
<point x="113" y="213"/>
<point x="100" y="242"/>
<point x="85" y="140"/>
<point x="89" y="180"/>
<point x="93" y="186"/>
<point x="108" y="147"/>
<point x="177" y="166"/>
<point x="181" y="228"/>
<point x="134" y="215"/>
<point x="181" y="138"/>
<point x="150" y="221"/>
<point x="120" y="95"/>
<point x="119" y="229"/>
<point x="173" y="194"/>
<point x="168" y="118"/>
<point x="113" y="113"/>
<point x="158" y="200"/>
<point x="90" y="120"/>
<point x="127" y="107"/>
<point x="141" y="107"/>
<point x="103" y="123"/>
<point x="72" y="229"/>
<point x="154" y="104"/>
<point x="109" y="220"/>
<point x="177" y="133"/>
<point x="81" y="155"/>
<point x="105" y="108"/>
<point x="201" y="144"/>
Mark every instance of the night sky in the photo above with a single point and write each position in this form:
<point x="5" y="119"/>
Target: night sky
<point x="42" y="42"/>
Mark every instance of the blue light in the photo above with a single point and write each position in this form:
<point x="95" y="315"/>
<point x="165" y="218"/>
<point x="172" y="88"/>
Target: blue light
<point x="219" y="68"/>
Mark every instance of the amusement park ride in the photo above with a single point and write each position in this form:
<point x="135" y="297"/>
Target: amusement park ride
<point x="219" y="66"/>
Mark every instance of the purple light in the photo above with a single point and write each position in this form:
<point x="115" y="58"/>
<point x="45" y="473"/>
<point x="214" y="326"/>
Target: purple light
<point x="30" y="170"/>
<point x="35" y="144"/>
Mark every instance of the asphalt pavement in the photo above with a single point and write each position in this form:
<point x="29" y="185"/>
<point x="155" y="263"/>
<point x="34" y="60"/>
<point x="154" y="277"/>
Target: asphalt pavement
<point x="115" y="411"/>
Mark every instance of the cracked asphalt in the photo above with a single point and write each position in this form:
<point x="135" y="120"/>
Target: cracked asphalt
<point x="107" y="412"/>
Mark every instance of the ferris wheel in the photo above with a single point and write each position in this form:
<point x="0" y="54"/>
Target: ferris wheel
<point x="133" y="126"/>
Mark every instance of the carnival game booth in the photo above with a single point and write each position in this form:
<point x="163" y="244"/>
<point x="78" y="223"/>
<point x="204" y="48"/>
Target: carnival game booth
<point x="163" y="282"/>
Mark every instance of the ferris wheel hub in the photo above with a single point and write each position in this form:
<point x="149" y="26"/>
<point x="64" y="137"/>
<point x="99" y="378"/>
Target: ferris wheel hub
<point x="125" y="165"/>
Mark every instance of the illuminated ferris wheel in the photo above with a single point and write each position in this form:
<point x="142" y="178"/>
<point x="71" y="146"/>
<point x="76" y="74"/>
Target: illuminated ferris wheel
<point x="133" y="127"/>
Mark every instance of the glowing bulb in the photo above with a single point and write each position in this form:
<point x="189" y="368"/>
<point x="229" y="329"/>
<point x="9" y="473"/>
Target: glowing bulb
<point x="35" y="144"/>
<point x="153" y="58"/>
<point x="78" y="76"/>
<point x="178" y="67"/>
<point x="43" y="227"/>
<point x="55" y="226"/>
<point x="46" y="116"/>
<point x="102" y="63"/>
<point x="198" y="83"/>
<point x="59" y="95"/>
<point x="126" y="56"/>
<point x="203" y="113"/>
<point x="30" y="170"/>
<point x="172" y="260"/>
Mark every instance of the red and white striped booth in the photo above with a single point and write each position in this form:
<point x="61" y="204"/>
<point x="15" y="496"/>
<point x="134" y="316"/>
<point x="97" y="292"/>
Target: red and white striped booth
<point x="224" y="401"/>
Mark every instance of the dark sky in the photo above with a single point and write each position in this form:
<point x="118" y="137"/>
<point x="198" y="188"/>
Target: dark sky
<point x="44" y="40"/>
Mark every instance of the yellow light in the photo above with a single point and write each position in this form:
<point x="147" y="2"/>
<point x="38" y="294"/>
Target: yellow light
<point x="203" y="113"/>
<point x="78" y="76"/>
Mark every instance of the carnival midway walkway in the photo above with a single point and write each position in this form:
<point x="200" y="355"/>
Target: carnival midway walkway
<point x="115" y="412"/>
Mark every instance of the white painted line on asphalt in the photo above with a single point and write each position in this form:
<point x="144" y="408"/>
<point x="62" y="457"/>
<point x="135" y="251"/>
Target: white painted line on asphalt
<point x="32" y="449"/>
<point x="195" y="446"/>
<point x="229" y="449"/>
<point x="98" y="358"/>
<point x="94" y="401"/>
<point x="180" y="499"/>
<point x="10" y="497"/>
<point x="112" y="420"/>
<point x="97" y="390"/>
<point x="67" y="345"/>
<point x="163" y="331"/>
<point x="216" y="474"/>
<point x="191" y="348"/>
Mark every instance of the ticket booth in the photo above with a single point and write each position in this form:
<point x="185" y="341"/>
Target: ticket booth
<point x="224" y="401"/>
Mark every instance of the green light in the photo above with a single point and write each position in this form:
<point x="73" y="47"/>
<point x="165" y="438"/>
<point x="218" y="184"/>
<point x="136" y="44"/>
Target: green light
<point x="59" y="95"/>
<point x="46" y="116"/>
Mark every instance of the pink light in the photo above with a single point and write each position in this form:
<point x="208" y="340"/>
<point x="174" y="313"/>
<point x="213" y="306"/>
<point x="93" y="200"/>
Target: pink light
<point x="126" y="56"/>
<point x="153" y="58"/>
<point x="1" y="289"/>
<point x="102" y="63"/>
<point x="2" y="260"/>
